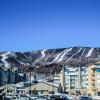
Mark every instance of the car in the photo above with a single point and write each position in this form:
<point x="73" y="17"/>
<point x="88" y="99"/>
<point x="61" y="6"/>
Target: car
<point x="85" y="98"/>
<point x="37" y="98"/>
<point x="59" y="96"/>
<point x="10" y="97"/>
<point x="32" y="98"/>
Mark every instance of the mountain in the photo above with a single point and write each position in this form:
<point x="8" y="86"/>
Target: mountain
<point x="73" y="56"/>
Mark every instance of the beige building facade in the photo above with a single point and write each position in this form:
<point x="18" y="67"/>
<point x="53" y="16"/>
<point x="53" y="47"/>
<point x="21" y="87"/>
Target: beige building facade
<point x="73" y="79"/>
<point x="94" y="79"/>
<point x="84" y="79"/>
<point x="42" y="87"/>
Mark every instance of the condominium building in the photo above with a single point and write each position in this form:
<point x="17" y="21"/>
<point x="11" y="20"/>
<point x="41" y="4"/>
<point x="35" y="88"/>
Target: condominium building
<point x="74" y="80"/>
<point x="10" y="75"/>
<point x="85" y="80"/>
<point x="94" y="79"/>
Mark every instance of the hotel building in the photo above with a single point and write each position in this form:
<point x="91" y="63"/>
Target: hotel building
<point x="94" y="79"/>
<point x="85" y="80"/>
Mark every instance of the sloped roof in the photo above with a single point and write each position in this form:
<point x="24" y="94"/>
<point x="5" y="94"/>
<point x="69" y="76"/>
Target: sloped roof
<point x="48" y="83"/>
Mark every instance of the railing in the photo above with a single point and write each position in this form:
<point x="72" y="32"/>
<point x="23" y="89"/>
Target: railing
<point x="92" y="78"/>
<point x="93" y="88"/>
<point x="93" y="84"/>
<point x="93" y="74"/>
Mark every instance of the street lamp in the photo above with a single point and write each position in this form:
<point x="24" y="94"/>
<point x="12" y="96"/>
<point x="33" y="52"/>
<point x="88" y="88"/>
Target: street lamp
<point x="31" y="68"/>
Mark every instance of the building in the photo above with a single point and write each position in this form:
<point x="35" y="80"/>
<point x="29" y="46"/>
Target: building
<point x="2" y="92"/>
<point x="42" y="87"/>
<point x="7" y="75"/>
<point x="73" y="80"/>
<point x="10" y="75"/>
<point x="94" y="79"/>
<point x="85" y="80"/>
<point x="76" y="80"/>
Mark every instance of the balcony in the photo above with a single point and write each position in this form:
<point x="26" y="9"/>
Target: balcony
<point x="93" y="73"/>
<point x="93" y="68"/>
<point x="93" y="84"/>
<point x="93" y="88"/>
<point x="92" y="78"/>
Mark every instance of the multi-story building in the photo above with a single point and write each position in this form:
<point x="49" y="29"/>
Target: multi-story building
<point x="10" y="76"/>
<point x="94" y="79"/>
<point x="85" y="80"/>
<point x="74" y="80"/>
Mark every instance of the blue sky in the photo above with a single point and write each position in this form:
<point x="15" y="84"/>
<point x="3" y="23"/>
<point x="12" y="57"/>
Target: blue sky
<point x="40" y="24"/>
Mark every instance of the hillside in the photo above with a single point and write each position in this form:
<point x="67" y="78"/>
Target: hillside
<point x="74" y="56"/>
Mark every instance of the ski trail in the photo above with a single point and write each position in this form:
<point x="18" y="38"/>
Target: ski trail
<point x="75" y="54"/>
<point x="61" y="58"/>
<point x="43" y="55"/>
<point x="58" y="56"/>
<point x="83" y="52"/>
<point x="89" y="52"/>
<point x="4" y="57"/>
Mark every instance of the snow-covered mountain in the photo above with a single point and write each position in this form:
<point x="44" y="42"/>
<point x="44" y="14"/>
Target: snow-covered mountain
<point x="73" y="56"/>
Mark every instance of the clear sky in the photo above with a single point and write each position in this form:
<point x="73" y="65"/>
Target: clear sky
<point x="40" y="24"/>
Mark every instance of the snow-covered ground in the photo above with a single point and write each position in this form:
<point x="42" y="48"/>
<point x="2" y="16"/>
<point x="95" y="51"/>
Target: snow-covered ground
<point x="61" y="58"/>
<point x="75" y="54"/>
<point x="61" y="55"/>
<point x="42" y="56"/>
<point x="90" y="52"/>
<point x="4" y="57"/>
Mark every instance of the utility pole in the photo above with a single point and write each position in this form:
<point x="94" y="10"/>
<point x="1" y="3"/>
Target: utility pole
<point x="30" y="82"/>
<point x="30" y="71"/>
<point x="63" y="77"/>
<point x="79" y="79"/>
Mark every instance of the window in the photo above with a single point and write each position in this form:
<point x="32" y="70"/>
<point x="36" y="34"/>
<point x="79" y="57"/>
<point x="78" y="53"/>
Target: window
<point x="72" y="87"/>
<point x="67" y="87"/>
<point x="98" y="81"/>
<point x="67" y="80"/>
<point x="97" y="70"/>
<point x="98" y="85"/>
<point x="72" y="84"/>
<point x="56" y="80"/>
<point x="72" y="81"/>
<point x="67" y="83"/>
<point x="86" y="84"/>
<point x="98" y="76"/>
<point x="97" y="64"/>
<point x="84" y="87"/>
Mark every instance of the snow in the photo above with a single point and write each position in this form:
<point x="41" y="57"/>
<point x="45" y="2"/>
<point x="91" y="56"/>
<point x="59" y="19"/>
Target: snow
<point x="58" y="56"/>
<point x="83" y="52"/>
<point x="90" y="52"/>
<point x="66" y="51"/>
<point x="43" y="55"/>
<point x="31" y="79"/>
<point x="61" y="55"/>
<point x="4" y="57"/>
<point x="75" y="54"/>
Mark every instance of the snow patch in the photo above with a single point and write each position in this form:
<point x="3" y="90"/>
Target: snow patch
<point x="4" y="57"/>
<point x="75" y="54"/>
<point x="66" y="51"/>
<point x="58" y="56"/>
<point x="61" y="55"/>
<point x="43" y="55"/>
<point x="83" y="52"/>
<point x="90" y="52"/>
